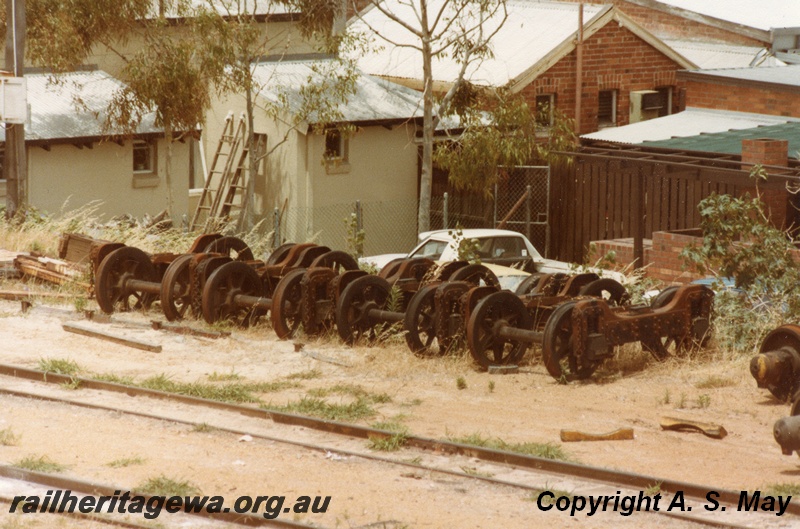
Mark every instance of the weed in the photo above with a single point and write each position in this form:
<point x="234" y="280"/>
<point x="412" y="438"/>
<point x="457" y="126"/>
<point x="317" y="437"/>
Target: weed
<point x="653" y="489"/>
<point x="352" y="391"/>
<point x="550" y="495"/>
<point x="224" y="377"/>
<point x="59" y="366"/>
<point x="682" y="403"/>
<point x="543" y="450"/>
<point x="491" y="386"/>
<point x="414" y="461"/>
<point x="114" y="379"/>
<point x="391" y="443"/>
<point x="203" y="428"/>
<point x="8" y="437"/>
<point x="73" y="383"/>
<point x="40" y="464"/>
<point x="461" y="383"/>
<point x="126" y="462"/>
<point x="715" y="381"/>
<point x="164" y="486"/>
<point x="665" y="400"/>
<point x="782" y="489"/>
<point x="316" y="407"/>
<point x="305" y="375"/>
<point x="230" y="392"/>
<point x="80" y="303"/>
<point x="703" y="401"/>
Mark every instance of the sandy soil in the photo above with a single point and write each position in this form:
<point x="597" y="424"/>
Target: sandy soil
<point x="423" y="395"/>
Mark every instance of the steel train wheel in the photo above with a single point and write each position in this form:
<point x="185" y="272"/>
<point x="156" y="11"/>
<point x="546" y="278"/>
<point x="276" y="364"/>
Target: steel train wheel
<point x="221" y="289"/>
<point x="492" y="312"/>
<point x="475" y="274"/>
<point x="336" y="259"/>
<point x="420" y="323"/>
<point x="558" y="348"/>
<point x="113" y="274"/>
<point x="280" y="253"/>
<point x="233" y="247"/>
<point x="286" y="314"/>
<point x="606" y="288"/>
<point x="528" y="285"/>
<point x="357" y="299"/>
<point x="176" y="288"/>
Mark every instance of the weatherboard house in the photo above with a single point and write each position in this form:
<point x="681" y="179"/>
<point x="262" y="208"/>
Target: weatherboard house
<point x="74" y="161"/>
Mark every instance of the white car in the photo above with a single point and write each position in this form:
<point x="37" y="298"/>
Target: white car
<point x="499" y="247"/>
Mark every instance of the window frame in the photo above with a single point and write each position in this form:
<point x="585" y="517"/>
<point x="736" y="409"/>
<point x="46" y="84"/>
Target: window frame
<point x="150" y="146"/>
<point x="611" y="121"/>
<point x="539" y="103"/>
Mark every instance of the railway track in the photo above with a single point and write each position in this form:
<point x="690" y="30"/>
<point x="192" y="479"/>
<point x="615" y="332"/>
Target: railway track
<point x="508" y="469"/>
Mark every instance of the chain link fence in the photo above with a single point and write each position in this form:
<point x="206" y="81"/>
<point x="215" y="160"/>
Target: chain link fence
<point x="520" y="203"/>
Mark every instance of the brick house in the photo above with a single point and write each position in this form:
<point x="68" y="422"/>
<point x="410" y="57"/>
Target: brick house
<point x="535" y="53"/>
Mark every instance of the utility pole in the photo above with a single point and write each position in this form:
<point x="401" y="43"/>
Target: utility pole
<point x="15" y="167"/>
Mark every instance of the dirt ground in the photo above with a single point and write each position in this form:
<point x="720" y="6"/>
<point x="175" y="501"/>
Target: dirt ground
<point x="438" y="398"/>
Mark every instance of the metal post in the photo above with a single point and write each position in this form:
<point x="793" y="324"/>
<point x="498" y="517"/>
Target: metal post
<point x="528" y="212"/>
<point x="638" y="219"/>
<point x="494" y="219"/>
<point x="445" y="208"/>
<point x="276" y="228"/>
<point x="359" y="217"/>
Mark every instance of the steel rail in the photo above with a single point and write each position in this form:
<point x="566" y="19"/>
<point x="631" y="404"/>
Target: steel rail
<point x="99" y="489"/>
<point x="609" y="476"/>
<point x="348" y="453"/>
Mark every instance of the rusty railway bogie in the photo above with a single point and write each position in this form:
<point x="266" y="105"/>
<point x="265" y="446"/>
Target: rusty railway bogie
<point x="292" y="287"/>
<point x="577" y="335"/>
<point x="127" y="278"/>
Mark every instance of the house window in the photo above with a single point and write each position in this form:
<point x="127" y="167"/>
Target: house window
<point x="665" y="95"/>
<point x="545" y="105"/>
<point x="607" y="108"/>
<point x="144" y="157"/>
<point x="335" y="145"/>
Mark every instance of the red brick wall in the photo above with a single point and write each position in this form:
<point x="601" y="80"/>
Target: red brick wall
<point x="767" y="151"/>
<point x="768" y="100"/>
<point x="664" y="24"/>
<point x="661" y="255"/>
<point x="613" y="58"/>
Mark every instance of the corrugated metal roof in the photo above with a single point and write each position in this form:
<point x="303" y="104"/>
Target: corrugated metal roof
<point x="730" y="142"/>
<point x="375" y="99"/>
<point x="761" y="14"/>
<point x="713" y="55"/>
<point x="785" y="75"/>
<point x="75" y="107"/>
<point x="690" y="122"/>
<point x="229" y="7"/>
<point x="533" y="29"/>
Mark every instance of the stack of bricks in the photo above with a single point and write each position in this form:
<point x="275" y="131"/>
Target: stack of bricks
<point x="662" y="255"/>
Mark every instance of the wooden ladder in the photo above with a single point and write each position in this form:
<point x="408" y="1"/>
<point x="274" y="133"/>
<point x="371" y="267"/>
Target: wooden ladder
<point x="220" y="173"/>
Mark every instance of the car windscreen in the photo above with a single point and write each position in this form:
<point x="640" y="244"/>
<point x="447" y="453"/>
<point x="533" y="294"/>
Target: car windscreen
<point x="431" y="249"/>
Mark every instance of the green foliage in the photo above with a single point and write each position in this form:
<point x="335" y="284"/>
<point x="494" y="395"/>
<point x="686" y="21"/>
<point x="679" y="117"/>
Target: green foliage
<point x="8" y="437"/>
<point x="739" y="242"/>
<point x="60" y="366"/>
<point x="544" y="450"/>
<point x="40" y="464"/>
<point x="165" y="486"/>
<point x="316" y="407"/>
<point x="461" y="383"/>
<point x="508" y="134"/>
<point x="228" y="392"/>
<point x="126" y="462"/>
<point x="355" y="236"/>
<point x="467" y="248"/>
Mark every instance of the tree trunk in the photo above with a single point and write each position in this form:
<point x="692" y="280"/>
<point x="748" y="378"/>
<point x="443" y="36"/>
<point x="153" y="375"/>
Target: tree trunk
<point x="426" y="176"/>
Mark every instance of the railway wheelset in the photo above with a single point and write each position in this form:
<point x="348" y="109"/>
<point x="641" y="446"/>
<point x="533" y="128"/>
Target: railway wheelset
<point x="577" y="319"/>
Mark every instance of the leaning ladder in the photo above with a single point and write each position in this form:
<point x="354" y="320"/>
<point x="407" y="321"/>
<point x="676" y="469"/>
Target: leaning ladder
<point x="219" y="174"/>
